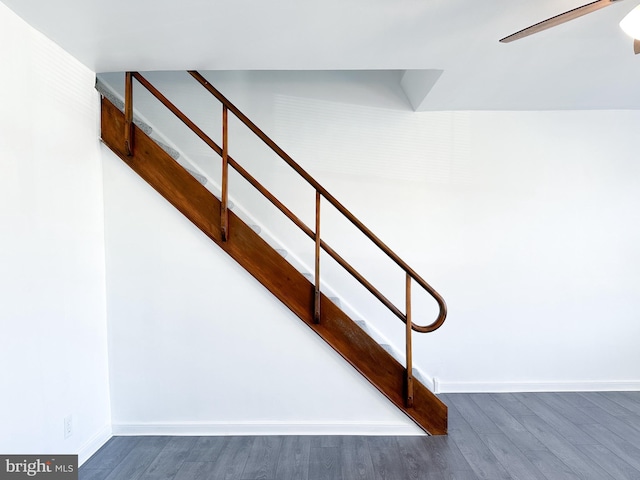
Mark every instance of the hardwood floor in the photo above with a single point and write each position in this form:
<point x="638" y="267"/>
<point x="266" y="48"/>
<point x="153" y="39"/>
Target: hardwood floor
<point x="547" y="436"/>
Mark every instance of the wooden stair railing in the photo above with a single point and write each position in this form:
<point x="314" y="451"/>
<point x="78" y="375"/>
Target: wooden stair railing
<point x="131" y="144"/>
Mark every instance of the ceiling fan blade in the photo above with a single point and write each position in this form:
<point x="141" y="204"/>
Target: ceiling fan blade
<point x="636" y="46"/>
<point x="559" y="19"/>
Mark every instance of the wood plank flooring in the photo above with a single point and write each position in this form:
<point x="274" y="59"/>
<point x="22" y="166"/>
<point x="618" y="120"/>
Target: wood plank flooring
<point x="523" y="436"/>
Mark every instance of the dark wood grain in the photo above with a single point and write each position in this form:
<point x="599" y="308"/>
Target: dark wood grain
<point x="511" y="458"/>
<point x="128" y="113"/>
<point x="228" y="106"/>
<point x="320" y="191"/>
<point x="387" y="459"/>
<point x="414" y="457"/>
<point x="170" y="459"/>
<point x="324" y="463"/>
<point x="139" y="458"/>
<point x="628" y="400"/>
<point x="293" y="463"/>
<point x="463" y="455"/>
<point x="553" y="438"/>
<point x="195" y="471"/>
<point x="442" y="307"/>
<point x="433" y="457"/>
<point x="262" y="463"/>
<point x="572" y="432"/>
<point x="474" y="415"/>
<point x="205" y="449"/>
<point x="316" y="276"/>
<point x="326" y="441"/>
<point x="363" y="281"/>
<point x="93" y="473"/>
<point x="356" y="459"/>
<point x="478" y="456"/>
<point x="612" y="463"/>
<point x="507" y="423"/>
<point x="629" y="451"/>
<point x="550" y="465"/>
<point x="224" y="193"/>
<point x="565" y="408"/>
<point x="512" y="404"/>
<point x="267" y="266"/>
<point x="608" y="405"/>
<point x="232" y="460"/>
<point x="112" y="453"/>
<point x="408" y="345"/>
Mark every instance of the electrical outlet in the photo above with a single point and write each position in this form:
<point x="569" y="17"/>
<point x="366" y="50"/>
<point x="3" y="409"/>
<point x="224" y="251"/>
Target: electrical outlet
<point x="68" y="426"/>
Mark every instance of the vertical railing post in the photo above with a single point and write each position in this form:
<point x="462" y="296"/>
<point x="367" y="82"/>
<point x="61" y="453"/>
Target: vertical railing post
<point x="409" y="353"/>
<point x="316" y="314"/>
<point x="128" y="113"/>
<point x="224" y="211"/>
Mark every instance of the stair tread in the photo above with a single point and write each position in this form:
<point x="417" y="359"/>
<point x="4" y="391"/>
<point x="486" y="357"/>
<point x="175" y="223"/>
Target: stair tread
<point x="268" y="267"/>
<point x="113" y="98"/>
<point x="173" y="153"/>
<point x="201" y="178"/>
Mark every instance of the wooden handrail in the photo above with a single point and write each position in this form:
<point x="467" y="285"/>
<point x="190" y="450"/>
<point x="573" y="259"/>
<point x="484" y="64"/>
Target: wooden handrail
<point x="363" y="281"/>
<point x="316" y="293"/>
<point x="269" y="196"/>
<point x="272" y="198"/>
<point x="224" y="191"/>
<point x="176" y="111"/>
<point x="320" y="191"/>
<point x="128" y="114"/>
<point x="442" y="314"/>
<point x="408" y="345"/>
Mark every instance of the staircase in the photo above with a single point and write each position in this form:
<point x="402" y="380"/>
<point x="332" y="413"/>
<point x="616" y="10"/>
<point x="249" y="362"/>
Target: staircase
<point x="156" y="164"/>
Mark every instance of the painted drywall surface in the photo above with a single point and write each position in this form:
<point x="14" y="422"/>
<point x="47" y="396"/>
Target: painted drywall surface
<point x="52" y="281"/>
<point x="525" y="221"/>
<point x="197" y="346"/>
<point x="531" y="238"/>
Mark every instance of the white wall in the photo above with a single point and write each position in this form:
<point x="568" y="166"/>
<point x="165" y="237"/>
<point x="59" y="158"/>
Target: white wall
<point x="53" y="354"/>
<point x="538" y="254"/>
<point x="530" y="232"/>
<point x="197" y="346"/>
<point x="525" y="221"/>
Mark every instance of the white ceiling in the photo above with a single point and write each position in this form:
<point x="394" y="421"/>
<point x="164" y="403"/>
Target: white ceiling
<point x="585" y="64"/>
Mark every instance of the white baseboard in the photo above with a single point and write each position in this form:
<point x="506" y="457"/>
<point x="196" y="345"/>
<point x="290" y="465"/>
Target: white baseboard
<point x="507" y="387"/>
<point x="93" y="445"/>
<point x="266" y="428"/>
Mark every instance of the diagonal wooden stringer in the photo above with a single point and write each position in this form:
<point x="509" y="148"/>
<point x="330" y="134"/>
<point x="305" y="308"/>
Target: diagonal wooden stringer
<point x="267" y="266"/>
